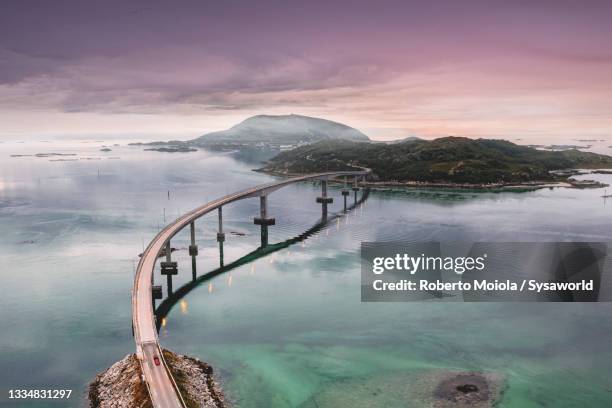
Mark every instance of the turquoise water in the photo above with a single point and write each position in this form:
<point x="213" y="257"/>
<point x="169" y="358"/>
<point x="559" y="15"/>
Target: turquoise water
<point x="288" y="329"/>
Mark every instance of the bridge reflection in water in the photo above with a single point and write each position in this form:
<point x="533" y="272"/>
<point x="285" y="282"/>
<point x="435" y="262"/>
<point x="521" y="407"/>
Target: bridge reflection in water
<point x="161" y="312"/>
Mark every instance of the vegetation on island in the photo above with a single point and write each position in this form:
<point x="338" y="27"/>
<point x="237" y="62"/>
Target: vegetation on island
<point x="443" y="160"/>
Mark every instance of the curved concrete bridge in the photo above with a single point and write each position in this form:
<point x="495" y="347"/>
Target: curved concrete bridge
<point x="162" y="387"/>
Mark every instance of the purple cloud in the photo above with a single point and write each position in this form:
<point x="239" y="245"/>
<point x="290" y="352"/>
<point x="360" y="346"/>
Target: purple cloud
<point x="387" y="62"/>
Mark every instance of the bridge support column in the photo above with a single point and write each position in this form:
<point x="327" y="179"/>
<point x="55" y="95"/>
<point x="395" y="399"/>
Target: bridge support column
<point x="168" y="267"/>
<point x="156" y="292"/>
<point x="324" y="200"/>
<point x="355" y="190"/>
<point x="263" y="219"/>
<point x="345" y="193"/>
<point x="220" y="236"/>
<point x="193" y="250"/>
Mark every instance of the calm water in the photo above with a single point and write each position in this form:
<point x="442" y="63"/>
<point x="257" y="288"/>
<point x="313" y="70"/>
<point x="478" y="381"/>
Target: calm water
<point x="288" y="329"/>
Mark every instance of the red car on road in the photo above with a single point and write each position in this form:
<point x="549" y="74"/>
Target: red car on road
<point x="156" y="360"/>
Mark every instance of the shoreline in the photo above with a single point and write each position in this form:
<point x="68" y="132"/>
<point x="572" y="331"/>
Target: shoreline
<point x="481" y="187"/>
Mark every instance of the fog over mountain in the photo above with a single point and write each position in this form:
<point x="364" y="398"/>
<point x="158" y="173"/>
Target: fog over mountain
<point x="282" y="129"/>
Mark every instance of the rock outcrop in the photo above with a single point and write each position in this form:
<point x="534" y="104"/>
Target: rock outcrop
<point x="121" y="385"/>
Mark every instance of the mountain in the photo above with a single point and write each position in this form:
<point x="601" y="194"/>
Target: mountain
<point x="443" y="160"/>
<point x="279" y="130"/>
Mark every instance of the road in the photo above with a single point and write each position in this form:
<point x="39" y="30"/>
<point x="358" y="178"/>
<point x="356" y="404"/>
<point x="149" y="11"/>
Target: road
<point x="162" y="388"/>
<point x="159" y="381"/>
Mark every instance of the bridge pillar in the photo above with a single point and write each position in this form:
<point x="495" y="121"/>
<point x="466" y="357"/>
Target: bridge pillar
<point x="345" y="194"/>
<point x="263" y="219"/>
<point x="220" y="236"/>
<point x="168" y="252"/>
<point x="168" y="267"/>
<point x="156" y="291"/>
<point x="324" y="199"/>
<point x="193" y="250"/>
<point x="355" y="190"/>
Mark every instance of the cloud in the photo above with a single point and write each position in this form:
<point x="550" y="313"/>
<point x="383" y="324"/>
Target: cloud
<point x="475" y="68"/>
<point x="153" y="81"/>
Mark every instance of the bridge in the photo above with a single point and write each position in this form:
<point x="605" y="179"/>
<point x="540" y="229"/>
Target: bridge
<point x="162" y="388"/>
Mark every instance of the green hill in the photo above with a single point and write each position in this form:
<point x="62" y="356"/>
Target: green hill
<point x="444" y="160"/>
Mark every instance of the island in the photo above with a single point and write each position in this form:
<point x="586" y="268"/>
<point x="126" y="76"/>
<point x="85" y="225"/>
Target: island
<point x="296" y="144"/>
<point x="447" y="162"/>
<point x="281" y="132"/>
<point x="172" y="149"/>
<point x="266" y="132"/>
<point x="172" y="146"/>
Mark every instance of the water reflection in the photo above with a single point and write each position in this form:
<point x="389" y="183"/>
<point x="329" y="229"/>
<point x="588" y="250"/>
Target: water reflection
<point x="184" y="308"/>
<point x="176" y="296"/>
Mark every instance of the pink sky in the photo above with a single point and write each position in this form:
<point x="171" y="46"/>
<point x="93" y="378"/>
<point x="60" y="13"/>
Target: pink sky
<point x="507" y="69"/>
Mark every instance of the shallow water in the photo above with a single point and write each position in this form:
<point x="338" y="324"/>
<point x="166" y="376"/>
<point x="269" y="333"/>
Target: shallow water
<point x="288" y="329"/>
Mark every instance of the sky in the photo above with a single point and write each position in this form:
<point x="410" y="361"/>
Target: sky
<point x="514" y="69"/>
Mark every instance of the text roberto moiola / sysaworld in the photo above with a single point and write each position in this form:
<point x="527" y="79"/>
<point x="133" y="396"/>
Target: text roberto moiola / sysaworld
<point x="459" y="265"/>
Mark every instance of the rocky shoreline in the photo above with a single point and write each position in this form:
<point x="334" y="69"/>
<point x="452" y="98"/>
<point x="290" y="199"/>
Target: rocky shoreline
<point x="121" y="386"/>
